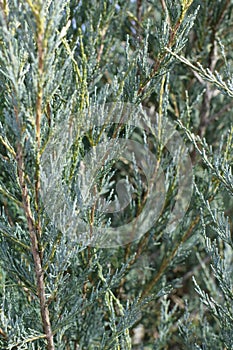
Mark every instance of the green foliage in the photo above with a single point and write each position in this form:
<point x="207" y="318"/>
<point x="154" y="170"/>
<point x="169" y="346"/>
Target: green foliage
<point x="80" y="79"/>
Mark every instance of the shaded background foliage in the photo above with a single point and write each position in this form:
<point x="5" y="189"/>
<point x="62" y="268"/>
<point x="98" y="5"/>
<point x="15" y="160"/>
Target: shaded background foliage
<point x="160" y="54"/>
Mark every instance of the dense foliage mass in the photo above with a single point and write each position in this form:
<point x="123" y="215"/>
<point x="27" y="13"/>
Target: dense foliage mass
<point x="100" y="249"/>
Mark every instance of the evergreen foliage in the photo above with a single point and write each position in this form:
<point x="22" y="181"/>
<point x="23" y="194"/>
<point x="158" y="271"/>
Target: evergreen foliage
<point x="82" y="84"/>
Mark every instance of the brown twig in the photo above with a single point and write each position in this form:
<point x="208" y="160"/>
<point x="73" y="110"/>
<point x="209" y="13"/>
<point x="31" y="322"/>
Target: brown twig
<point x="40" y="44"/>
<point x="167" y="260"/>
<point x="35" y="248"/>
<point x="101" y="49"/>
<point x="139" y="19"/>
<point x="3" y="334"/>
<point x="161" y="56"/>
<point x="164" y="6"/>
<point x="34" y="226"/>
